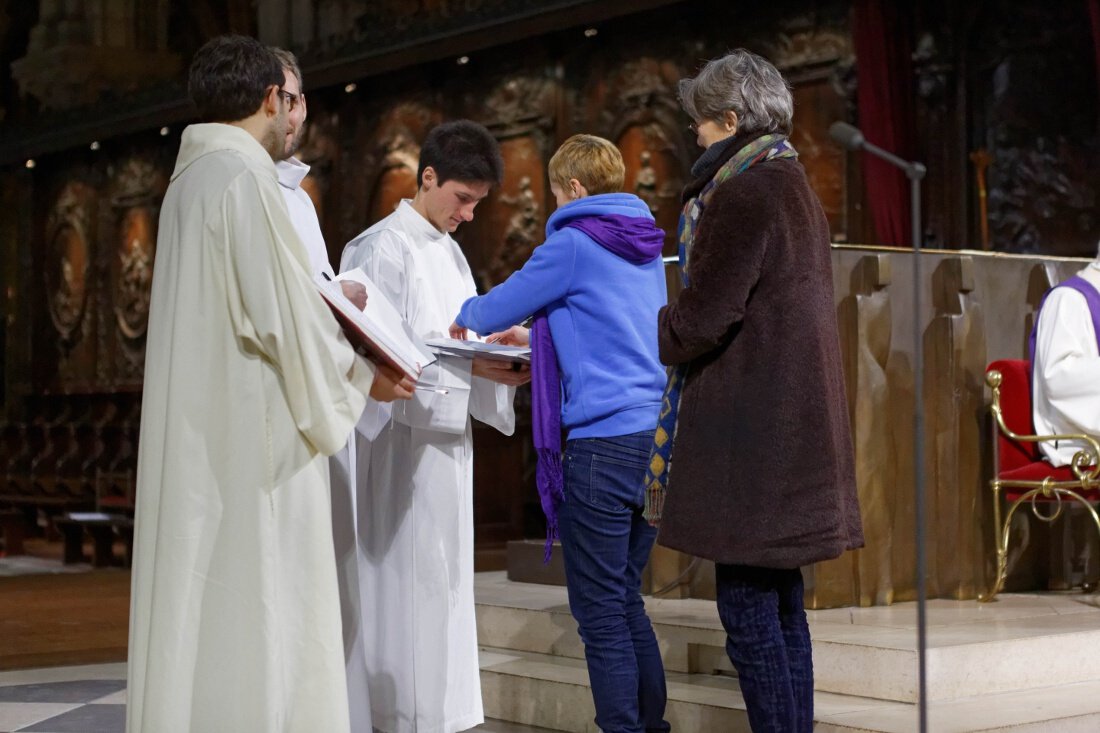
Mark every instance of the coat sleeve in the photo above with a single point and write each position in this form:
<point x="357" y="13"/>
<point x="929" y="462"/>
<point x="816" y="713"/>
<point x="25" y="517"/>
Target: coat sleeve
<point x="1068" y="361"/>
<point x="543" y="279"/>
<point x="726" y="260"/>
<point x="276" y="312"/>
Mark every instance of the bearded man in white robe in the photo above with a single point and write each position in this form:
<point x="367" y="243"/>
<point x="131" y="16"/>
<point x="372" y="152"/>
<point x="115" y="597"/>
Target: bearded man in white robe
<point x="1066" y="368"/>
<point x="249" y="384"/>
<point x="416" y="496"/>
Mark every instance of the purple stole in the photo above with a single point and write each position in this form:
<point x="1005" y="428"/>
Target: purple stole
<point x="1092" y="297"/>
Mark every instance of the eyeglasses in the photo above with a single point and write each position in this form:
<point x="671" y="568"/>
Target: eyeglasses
<point x="292" y="99"/>
<point x="694" y="127"/>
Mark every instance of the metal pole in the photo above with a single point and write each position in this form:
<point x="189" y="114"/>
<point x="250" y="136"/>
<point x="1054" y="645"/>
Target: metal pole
<point x="916" y="172"/>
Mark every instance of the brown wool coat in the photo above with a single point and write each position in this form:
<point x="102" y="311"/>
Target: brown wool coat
<point x="762" y="468"/>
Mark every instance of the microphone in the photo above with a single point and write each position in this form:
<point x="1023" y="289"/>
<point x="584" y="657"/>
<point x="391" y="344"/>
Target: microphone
<point x="847" y="135"/>
<point x="850" y="137"/>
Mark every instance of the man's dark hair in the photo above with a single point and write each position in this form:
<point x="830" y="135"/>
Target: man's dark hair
<point x="230" y="76"/>
<point x="461" y="151"/>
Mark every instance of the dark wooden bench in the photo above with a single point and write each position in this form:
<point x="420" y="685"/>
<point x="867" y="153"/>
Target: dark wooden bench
<point x="13" y="526"/>
<point x="104" y="529"/>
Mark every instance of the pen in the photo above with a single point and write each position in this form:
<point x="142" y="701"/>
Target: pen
<point x="437" y="390"/>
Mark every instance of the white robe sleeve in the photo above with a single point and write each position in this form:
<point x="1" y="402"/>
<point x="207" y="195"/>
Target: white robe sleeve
<point x="277" y="313"/>
<point x="491" y="403"/>
<point x="441" y="402"/>
<point x="1067" y="365"/>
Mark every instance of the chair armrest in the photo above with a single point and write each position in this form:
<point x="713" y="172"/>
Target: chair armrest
<point x="1086" y="462"/>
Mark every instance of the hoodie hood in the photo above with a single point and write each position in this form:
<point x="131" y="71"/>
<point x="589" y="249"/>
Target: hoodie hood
<point x="210" y="137"/>
<point x="619" y="222"/>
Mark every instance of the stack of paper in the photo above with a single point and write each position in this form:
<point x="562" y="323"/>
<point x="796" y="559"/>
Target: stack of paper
<point x="481" y="350"/>
<point x="378" y="331"/>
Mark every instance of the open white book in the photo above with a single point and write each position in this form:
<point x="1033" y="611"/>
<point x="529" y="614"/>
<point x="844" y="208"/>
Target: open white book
<point x="481" y="350"/>
<point x="378" y="331"/>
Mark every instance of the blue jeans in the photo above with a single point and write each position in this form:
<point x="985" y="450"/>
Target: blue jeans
<point x="605" y="544"/>
<point x="768" y="641"/>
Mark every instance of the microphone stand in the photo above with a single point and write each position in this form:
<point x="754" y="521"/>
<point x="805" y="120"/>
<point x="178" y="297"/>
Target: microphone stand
<point x="853" y="139"/>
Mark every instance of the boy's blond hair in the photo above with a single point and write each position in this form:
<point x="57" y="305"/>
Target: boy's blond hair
<point x="596" y="163"/>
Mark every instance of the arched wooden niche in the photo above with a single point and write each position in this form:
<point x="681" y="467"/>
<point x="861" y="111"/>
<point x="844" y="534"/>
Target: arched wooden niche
<point x="511" y="222"/>
<point x="394" y="156"/>
<point x="136" y="192"/>
<point x="640" y="113"/>
<point x="654" y="174"/>
<point x="68" y="263"/>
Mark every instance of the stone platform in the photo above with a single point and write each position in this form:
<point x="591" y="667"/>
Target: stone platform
<point x="1022" y="663"/>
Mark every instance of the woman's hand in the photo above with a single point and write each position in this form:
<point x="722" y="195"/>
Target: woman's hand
<point x="514" y="336"/>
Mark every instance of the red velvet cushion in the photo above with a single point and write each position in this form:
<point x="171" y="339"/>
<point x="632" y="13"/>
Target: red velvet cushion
<point x="1016" y="409"/>
<point x="1038" y="471"/>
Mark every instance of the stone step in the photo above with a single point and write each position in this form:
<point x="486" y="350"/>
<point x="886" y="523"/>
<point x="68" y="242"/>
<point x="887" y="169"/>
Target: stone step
<point x="552" y="692"/>
<point x="1021" y="642"/>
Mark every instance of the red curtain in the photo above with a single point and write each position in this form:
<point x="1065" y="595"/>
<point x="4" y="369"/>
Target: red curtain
<point x="884" y="72"/>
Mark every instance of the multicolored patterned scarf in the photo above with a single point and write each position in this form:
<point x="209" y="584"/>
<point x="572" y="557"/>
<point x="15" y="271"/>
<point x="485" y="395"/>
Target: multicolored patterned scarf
<point x="768" y="147"/>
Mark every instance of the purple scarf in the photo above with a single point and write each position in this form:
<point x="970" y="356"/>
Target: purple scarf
<point x="635" y="239"/>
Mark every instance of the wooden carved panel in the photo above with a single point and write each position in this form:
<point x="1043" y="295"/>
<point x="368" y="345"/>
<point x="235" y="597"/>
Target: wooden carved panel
<point x="817" y="105"/>
<point x="866" y="577"/>
<point x="136" y="191"/>
<point x="70" y="281"/>
<point x="954" y="399"/>
<point x="69" y="252"/>
<point x="654" y="174"/>
<point x="511" y="222"/>
<point x="390" y="162"/>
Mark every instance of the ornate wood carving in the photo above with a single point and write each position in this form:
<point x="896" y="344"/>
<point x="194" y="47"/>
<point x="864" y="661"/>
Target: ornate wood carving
<point x="1038" y="117"/>
<point x="69" y="252"/>
<point x="808" y="45"/>
<point x="380" y="169"/>
<point x="519" y="111"/>
<point x="136" y="191"/>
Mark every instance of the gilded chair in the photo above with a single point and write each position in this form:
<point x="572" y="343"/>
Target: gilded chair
<point x="1021" y="473"/>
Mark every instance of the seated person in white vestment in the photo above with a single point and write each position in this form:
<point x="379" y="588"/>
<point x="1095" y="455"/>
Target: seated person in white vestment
<point x="249" y="385"/>
<point x="1066" y="364"/>
<point x="417" y="493"/>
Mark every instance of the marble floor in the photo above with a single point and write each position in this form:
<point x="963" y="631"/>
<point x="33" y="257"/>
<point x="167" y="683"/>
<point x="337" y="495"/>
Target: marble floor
<point x="92" y="699"/>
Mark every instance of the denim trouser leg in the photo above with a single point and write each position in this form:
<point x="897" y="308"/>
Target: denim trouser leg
<point x="768" y="641"/>
<point x="605" y="545"/>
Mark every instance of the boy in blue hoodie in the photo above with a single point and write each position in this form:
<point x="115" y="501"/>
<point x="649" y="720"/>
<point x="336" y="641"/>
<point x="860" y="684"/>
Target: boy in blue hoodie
<point x="594" y="288"/>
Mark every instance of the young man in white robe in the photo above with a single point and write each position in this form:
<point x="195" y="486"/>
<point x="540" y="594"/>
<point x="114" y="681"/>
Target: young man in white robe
<point x="303" y="214"/>
<point x="249" y="384"/>
<point x="1066" y="367"/>
<point x="417" y="493"/>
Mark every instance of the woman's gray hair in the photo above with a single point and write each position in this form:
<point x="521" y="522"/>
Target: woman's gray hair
<point x="743" y="82"/>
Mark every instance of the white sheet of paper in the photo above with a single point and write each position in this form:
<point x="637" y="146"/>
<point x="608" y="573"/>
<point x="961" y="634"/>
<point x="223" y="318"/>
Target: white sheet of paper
<point x="379" y="320"/>
<point x="471" y="349"/>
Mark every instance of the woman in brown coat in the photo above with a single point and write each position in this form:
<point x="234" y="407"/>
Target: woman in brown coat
<point x="763" y="479"/>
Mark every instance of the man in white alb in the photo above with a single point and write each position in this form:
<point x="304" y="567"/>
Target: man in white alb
<point x="303" y="214"/>
<point x="249" y="385"/>
<point x="1066" y="364"/>
<point x="421" y="635"/>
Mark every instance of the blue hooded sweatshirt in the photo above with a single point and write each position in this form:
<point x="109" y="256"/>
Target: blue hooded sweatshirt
<point x="602" y="310"/>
